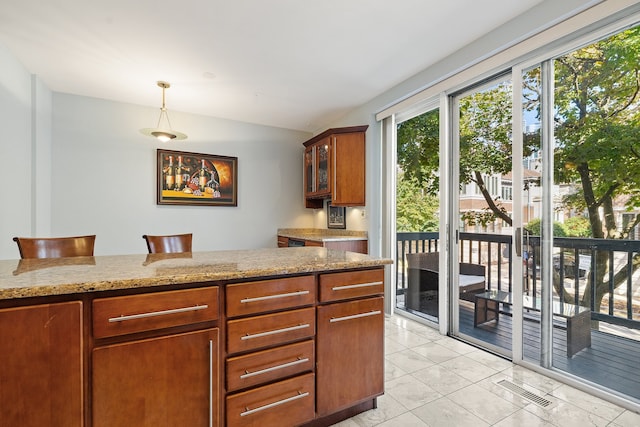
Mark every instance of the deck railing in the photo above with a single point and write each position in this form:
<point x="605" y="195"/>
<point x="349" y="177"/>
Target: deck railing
<point x="574" y="261"/>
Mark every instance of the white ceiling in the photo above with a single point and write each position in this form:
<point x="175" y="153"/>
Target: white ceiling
<point x="297" y="64"/>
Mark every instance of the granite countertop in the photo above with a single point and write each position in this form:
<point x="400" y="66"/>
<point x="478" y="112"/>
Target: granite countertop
<point x="60" y="276"/>
<point x="322" y="235"/>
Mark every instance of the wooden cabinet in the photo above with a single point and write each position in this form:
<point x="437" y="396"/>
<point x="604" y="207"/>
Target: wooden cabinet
<point x="165" y="381"/>
<point x="147" y="373"/>
<point x="349" y="342"/>
<point x="283" y="242"/>
<point x="270" y="352"/>
<point x="360" y="246"/>
<point x="300" y="350"/>
<point x="334" y="168"/>
<point x="41" y="369"/>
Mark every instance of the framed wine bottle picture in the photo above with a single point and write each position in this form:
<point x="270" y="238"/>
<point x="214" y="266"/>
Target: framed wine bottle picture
<point x="336" y="216"/>
<point x="196" y="179"/>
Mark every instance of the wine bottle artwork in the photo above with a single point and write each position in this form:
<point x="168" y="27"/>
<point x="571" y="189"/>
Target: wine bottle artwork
<point x="197" y="179"/>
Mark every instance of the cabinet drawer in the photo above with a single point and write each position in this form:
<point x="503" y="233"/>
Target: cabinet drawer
<point x="138" y="313"/>
<point x="270" y="329"/>
<point x="269" y="295"/>
<point x="352" y="284"/>
<point x="283" y="242"/>
<point x="289" y="402"/>
<point x="269" y="365"/>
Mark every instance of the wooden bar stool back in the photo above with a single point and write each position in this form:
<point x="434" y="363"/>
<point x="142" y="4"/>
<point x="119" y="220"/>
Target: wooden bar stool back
<point x="168" y="244"/>
<point x="55" y="247"/>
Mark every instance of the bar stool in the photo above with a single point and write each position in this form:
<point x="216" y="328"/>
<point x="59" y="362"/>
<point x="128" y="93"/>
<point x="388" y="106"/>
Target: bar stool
<point x="55" y="247"/>
<point x="168" y="244"/>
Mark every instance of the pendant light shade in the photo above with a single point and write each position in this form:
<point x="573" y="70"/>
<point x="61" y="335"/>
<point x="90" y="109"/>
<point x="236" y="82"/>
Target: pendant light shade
<point x="163" y="130"/>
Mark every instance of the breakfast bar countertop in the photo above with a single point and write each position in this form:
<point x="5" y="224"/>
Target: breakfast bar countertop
<point x="62" y="276"/>
<point x="322" y="235"/>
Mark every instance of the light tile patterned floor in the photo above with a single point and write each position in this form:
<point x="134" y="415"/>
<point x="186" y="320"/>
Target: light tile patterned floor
<point x="432" y="380"/>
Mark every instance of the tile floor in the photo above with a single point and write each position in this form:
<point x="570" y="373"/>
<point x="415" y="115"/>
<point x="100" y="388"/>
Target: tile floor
<point x="432" y="380"/>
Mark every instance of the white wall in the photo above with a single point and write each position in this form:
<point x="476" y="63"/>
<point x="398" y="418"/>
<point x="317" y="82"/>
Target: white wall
<point x="104" y="178"/>
<point x="17" y="108"/>
<point x="74" y="165"/>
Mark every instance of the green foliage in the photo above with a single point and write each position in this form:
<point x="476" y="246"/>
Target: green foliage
<point x="577" y="226"/>
<point x="485" y="132"/>
<point x="416" y="210"/>
<point x="598" y="126"/>
<point x="418" y="150"/>
<point x="534" y="226"/>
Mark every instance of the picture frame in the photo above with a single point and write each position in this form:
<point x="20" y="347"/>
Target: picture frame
<point x="196" y="179"/>
<point x="336" y="216"/>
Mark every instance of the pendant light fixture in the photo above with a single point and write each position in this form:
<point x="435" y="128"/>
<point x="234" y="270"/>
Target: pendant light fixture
<point x="162" y="132"/>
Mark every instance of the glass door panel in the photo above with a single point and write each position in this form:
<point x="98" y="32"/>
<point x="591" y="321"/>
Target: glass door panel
<point x="581" y="109"/>
<point x="596" y="261"/>
<point x="417" y="215"/>
<point x="480" y="266"/>
<point x="324" y="166"/>
<point x="531" y="208"/>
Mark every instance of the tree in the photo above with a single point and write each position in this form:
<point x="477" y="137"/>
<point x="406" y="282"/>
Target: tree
<point x="534" y="228"/>
<point x="416" y="210"/>
<point x="577" y="226"/>
<point x="598" y="141"/>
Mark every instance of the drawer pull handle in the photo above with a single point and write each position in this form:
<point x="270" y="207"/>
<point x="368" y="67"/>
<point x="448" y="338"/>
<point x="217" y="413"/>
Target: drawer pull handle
<point x="271" y="405"/>
<point x="359" y="285"/>
<point x="210" y="383"/>
<point x="275" y="331"/>
<point x="355" y="316"/>
<point x="248" y="374"/>
<point x="268" y="297"/>
<point x="158" y="313"/>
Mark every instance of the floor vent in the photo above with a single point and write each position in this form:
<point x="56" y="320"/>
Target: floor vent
<point x="540" y="401"/>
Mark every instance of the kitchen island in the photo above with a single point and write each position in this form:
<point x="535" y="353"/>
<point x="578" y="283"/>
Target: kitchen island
<point x="290" y="336"/>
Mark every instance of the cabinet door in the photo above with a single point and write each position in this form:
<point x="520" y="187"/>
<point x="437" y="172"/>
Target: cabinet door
<point x="349" y="354"/>
<point x="41" y="365"/>
<point x="323" y="167"/>
<point x="348" y="169"/>
<point x="165" y="381"/>
<point x="309" y="171"/>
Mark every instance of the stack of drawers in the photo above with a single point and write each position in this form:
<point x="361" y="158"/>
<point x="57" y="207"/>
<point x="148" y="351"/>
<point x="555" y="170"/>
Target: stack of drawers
<point x="270" y="352"/>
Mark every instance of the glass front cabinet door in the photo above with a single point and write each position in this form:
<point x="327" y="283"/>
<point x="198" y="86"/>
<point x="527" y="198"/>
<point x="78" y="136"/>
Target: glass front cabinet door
<point x="317" y="169"/>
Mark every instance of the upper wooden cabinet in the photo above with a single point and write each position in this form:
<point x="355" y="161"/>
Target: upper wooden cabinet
<point x="334" y="167"/>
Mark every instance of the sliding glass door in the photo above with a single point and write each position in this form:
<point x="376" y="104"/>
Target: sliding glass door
<point x="581" y="115"/>
<point x="483" y="225"/>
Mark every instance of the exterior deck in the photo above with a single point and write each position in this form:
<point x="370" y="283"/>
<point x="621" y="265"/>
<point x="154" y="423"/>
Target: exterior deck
<point x="620" y="373"/>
